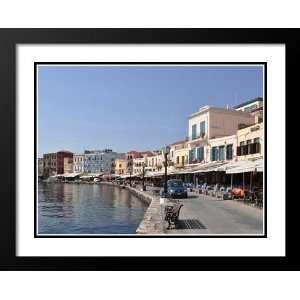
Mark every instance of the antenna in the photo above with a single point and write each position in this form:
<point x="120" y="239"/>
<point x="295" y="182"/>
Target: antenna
<point x="235" y="99"/>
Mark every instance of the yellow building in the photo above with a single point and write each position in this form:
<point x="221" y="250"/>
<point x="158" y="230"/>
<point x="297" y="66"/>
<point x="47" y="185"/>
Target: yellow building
<point x="68" y="165"/>
<point x="179" y="154"/>
<point x="121" y="166"/>
<point x="250" y="142"/>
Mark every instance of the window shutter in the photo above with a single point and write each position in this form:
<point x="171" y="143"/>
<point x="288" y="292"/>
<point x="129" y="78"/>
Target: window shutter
<point x="201" y="153"/>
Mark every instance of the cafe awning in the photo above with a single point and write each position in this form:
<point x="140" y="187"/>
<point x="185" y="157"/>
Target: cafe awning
<point x="208" y="167"/>
<point x="71" y="175"/>
<point x="244" y="166"/>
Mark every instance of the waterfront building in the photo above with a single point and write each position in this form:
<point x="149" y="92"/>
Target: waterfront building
<point x="78" y="163"/>
<point x="138" y="154"/>
<point x="211" y="123"/>
<point x="254" y="107"/>
<point x="40" y="167"/>
<point x="50" y="163"/>
<point x="68" y="165"/>
<point x="60" y="156"/>
<point x="222" y="149"/>
<point x="138" y="164"/>
<point x="250" y="142"/>
<point x="179" y="154"/>
<point x="120" y="166"/>
<point x="250" y="105"/>
<point x="138" y="158"/>
<point x="100" y="161"/>
<point x="155" y="162"/>
<point x="133" y="154"/>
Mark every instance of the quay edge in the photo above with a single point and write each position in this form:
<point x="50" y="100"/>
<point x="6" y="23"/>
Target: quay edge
<point x="152" y="221"/>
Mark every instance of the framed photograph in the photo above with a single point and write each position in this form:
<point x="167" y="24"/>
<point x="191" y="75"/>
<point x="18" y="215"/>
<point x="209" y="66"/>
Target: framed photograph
<point x="145" y="149"/>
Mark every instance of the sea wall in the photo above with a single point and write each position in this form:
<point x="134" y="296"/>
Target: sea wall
<point x="152" y="222"/>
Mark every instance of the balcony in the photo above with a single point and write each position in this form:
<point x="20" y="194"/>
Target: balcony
<point x="248" y="149"/>
<point x="196" y="137"/>
<point x="196" y="161"/>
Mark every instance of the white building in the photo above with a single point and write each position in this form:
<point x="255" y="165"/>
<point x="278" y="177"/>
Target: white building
<point x="138" y="164"/>
<point x="78" y="163"/>
<point x="250" y="105"/>
<point x="100" y="161"/>
<point x="155" y="162"/>
<point x="211" y="123"/>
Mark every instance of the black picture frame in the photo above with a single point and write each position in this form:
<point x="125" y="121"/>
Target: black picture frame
<point x="9" y="38"/>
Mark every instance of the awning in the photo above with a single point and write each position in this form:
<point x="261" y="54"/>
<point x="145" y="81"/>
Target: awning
<point x="71" y="175"/>
<point x="208" y="167"/>
<point x="244" y="166"/>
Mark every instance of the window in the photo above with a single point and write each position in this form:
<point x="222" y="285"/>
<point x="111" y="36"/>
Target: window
<point x="194" y="128"/>
<point x="229" y="152"/>
<point x="256" y="140"/>
<point x="191" y="155"/>
<point x="221" y="153"/>
<point x="177" y="159"/>
<point x="214" y="154"/>
<point x="200" y="153"/>
<point x="248" y="142"/>
<point x="202" y="128"/>
<point x="242" y="143"/>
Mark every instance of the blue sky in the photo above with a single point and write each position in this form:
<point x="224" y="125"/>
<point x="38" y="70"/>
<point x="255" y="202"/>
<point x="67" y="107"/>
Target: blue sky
<point x="132" y="107"/>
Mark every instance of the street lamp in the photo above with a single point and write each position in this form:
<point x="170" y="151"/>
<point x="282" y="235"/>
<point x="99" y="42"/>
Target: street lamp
<point x="143" y="179"/>
<point x="166" y="152"/>
<point x="130" y="169"/>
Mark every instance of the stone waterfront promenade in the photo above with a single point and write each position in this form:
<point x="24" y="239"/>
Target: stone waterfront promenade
<point x="221" y="217"/>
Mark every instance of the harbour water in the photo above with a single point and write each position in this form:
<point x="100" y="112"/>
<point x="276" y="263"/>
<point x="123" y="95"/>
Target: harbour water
<point x="87" y="209"/>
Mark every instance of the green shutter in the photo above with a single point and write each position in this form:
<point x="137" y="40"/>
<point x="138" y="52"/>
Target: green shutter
<point x="201" y="153"/>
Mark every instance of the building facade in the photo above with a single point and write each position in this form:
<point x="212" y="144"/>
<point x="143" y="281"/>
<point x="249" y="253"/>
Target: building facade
<point x="250" y="105"/>
<point x="50" y="164"/>
<point x="60" y="156"/>
<point x="136" y="160"/>
<point x="78" y="163"/>
<point x="100" y="161"/>
<point x="250" y="142"/>
<point x="179" y="154"/>
<point x="138" y="164"/>
<point x="223" y="149"/>
<point x="68" y="165"/>
<point x="40" y="167"/>
<point x="210" y="123"/>
<point x="155" y="162"/>
<point x="120" y="166"/>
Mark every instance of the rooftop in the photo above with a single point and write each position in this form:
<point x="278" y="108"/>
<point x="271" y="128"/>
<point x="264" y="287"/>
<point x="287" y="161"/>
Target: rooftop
<point x="179" y="142"/>
<point x="217" y="109"/>
<point x="248" y="102"/>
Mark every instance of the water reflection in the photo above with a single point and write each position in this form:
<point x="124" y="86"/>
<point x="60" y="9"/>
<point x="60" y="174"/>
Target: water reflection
<point x="87" y="209"/>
